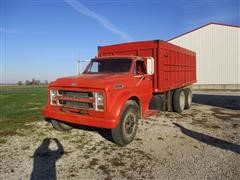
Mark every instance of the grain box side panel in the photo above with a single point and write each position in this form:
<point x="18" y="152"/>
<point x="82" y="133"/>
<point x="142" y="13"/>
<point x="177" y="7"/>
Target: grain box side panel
<point x="176" y="67"/>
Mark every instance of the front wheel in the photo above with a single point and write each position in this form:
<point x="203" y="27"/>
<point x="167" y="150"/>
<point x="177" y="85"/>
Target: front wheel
<point x="126" y="129"/>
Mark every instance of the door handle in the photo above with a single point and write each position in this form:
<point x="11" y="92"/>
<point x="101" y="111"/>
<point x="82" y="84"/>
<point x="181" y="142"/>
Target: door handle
<point x="142" y="78"/>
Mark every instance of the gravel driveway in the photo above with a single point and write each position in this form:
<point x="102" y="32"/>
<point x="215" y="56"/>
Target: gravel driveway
<point x="201" y="143"/>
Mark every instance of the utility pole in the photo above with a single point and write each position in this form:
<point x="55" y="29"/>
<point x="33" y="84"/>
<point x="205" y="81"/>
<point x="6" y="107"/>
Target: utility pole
<point x="78" y="67"/>
<point x="83" y="65"/>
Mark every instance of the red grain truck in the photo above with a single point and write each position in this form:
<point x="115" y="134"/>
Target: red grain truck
<point x="124" y="83"/>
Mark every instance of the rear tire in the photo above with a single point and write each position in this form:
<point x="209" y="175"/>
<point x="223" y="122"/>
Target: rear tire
<point x="188" y="98"/>
<point x="126" y="129"/>
<point x="60" y="126"/>
<point x="178" y="100"/>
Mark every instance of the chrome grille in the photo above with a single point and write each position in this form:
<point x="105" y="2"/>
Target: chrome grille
<point x="75" y="94"/>
<point x="75" y="104"/>
<point x="76" y="99"/>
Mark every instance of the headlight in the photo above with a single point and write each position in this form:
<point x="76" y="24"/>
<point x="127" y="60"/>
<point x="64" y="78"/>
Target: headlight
<point x="99" y="101"/>
<point x="53" y="95"/>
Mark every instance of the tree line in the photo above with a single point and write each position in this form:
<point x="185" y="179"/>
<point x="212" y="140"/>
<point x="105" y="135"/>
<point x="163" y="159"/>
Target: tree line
<point x="33" y="82"/>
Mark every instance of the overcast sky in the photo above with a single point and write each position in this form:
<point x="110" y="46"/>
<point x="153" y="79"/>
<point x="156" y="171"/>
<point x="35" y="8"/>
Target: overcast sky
<point x="43" y="39"/>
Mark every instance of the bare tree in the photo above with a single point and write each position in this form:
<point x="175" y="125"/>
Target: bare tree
<point x="33" y="81"/>
<point x="19" y="83"/>
<point x="27" y="82"/>
<point x="37" y="82"/>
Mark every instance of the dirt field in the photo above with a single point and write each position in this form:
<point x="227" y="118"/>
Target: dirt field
<point x="201" y="143"/>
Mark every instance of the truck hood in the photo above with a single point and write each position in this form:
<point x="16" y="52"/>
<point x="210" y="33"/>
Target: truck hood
<point x="98" y="81"/>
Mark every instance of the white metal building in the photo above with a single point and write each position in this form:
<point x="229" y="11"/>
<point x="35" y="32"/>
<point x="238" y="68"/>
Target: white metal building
<point x="217" y="48"/>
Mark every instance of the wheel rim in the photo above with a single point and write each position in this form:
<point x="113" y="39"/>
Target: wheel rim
<point x="130" y="124"/>
<point x="182" y="100"/>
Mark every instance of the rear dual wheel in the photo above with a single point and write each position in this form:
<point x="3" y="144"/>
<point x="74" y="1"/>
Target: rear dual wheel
<point x="188" y="98"/>
<point x="178" y="100"/>
<point x="182" y="99"/>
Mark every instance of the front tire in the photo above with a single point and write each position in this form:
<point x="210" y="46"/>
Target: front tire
<point x="178" y="100"/>
<point x="60" y="126"/>
<point x="126" y="129"/>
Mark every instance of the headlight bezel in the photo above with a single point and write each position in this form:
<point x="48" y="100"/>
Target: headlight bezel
<point x="99" y="101"/>
<point x="53" y="96"/>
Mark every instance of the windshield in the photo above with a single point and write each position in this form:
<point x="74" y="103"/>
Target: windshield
<point x="109" y="66"/>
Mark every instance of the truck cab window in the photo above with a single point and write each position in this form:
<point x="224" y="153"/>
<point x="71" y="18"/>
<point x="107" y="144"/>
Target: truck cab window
<point x="109" y="66"/>
<point x="94" y="67"/>
<point x="139" y="68"/>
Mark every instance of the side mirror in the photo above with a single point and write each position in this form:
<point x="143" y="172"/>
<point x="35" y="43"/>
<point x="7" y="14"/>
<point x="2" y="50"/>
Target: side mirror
<point x="150" y="65"/>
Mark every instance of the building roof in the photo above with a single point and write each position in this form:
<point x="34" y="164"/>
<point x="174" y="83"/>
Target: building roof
<point x="203" y="27"/>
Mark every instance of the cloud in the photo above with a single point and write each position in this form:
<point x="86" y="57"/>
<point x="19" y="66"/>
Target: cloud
<point x="18" y="31"/>
<point x="7" y="30"/>
<point x="200" y="13"/>
<point x="79" y="7"/>
<point x="214" y="17"/>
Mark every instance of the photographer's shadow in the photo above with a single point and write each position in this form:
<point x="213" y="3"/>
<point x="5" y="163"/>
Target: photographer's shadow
<point x="44" y="162"/>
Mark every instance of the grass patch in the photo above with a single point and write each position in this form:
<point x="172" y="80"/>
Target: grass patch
<point x="2" y="141"/>
<point x="20" y="105"/>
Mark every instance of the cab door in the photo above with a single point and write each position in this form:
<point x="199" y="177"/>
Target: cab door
<point x="142" y="83"/>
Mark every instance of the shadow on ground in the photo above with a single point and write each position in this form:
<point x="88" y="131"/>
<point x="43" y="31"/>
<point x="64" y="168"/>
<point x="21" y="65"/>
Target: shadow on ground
<point x="105" y="133"/>
<point x="230" y="102"/>
<point x="210" y="140"/>
<point x="44" y="160"/>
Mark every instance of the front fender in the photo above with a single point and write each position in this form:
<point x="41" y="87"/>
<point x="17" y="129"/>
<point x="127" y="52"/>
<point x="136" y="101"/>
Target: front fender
<point x="118" y="101"/>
